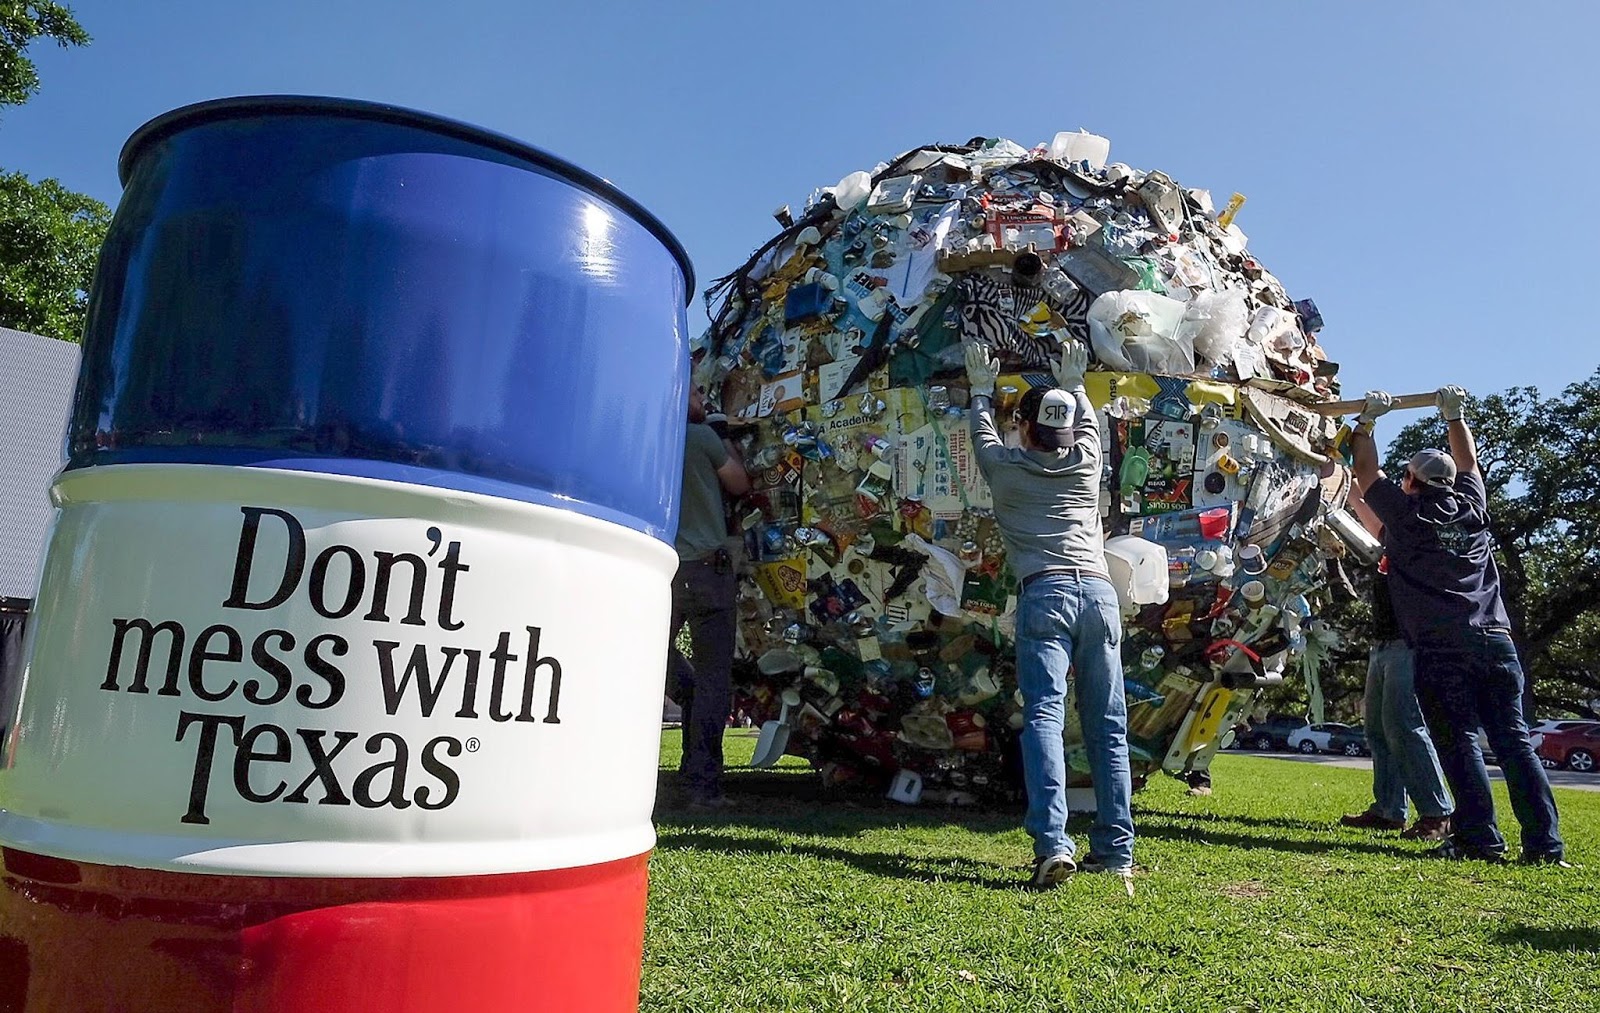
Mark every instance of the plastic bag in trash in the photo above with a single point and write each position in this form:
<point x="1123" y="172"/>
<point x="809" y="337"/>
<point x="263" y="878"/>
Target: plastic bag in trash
<point x="1214" y="323"/>
<point x="852" y="190"/>
<point x="1137" y="331"/>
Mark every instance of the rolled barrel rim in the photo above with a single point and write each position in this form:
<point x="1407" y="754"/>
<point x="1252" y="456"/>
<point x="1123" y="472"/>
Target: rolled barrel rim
<point x="245" y="106"/>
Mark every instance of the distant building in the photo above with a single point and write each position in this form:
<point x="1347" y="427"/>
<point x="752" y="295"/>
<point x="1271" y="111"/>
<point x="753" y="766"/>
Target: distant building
<point x="36" y="380"/>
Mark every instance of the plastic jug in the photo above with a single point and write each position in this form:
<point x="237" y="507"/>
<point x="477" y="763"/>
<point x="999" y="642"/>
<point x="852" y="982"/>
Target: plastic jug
<point x="1138" y="570"/>
<point x="1080" y="146"/>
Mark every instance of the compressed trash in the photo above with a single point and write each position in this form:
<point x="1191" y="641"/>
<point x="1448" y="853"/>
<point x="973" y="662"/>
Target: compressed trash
<point x="876" y="609"/>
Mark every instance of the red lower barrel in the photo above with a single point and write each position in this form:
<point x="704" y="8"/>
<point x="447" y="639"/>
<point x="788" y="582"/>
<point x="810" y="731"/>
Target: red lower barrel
<point x="79" y="936"/>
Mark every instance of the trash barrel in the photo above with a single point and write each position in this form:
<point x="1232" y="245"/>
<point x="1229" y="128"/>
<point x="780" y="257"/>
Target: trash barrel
<point x="344" y="685"/>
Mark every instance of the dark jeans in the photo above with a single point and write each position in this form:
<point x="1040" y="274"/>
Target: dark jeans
<point x="702" y="595"/>
<point x="1477" y="681"/>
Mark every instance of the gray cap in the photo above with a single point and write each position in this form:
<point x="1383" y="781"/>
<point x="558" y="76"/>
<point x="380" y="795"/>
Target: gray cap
<point x="1433" y="467"/>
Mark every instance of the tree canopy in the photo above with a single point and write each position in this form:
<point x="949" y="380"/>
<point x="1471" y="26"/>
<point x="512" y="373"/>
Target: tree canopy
<point x="49" y="241"/>
<point x="22" y="24"/>
<point x="49" y="236"/>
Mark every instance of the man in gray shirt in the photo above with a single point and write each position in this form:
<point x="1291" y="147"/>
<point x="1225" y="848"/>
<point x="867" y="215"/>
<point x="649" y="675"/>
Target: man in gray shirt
<point x="702" y="594"/>
<point x="1047" y="503"/>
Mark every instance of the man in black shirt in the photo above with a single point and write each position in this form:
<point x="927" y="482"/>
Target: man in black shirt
<point x="1446" y="593"/>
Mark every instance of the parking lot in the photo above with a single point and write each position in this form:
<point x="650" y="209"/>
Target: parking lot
<point x="1558" y="778"/>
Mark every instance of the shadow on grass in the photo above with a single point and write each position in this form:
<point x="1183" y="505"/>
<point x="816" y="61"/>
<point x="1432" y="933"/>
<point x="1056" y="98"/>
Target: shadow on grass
<point x="1159" y="831"/>
<point x="899" y="866"/>
<point x="775" y="797"/>
<point x="1269" y="822"/>
<point x="1563" y="940"/>
<point x="795" y="802"/>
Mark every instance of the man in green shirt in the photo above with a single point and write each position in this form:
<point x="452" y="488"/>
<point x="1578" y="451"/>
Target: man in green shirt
<point x="702" y="594"/>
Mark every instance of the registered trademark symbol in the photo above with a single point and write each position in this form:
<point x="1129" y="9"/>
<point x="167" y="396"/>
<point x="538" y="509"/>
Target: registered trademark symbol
<point x="472" y="745"/>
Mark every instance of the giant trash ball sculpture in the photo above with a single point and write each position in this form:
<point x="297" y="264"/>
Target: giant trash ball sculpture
<point x="876" y="608"/>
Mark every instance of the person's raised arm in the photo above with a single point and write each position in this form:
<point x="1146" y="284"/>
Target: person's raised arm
<point x="1363" y="449"/>
<point x="1463" y="448"/>
<point x="982" y="369"/>
<point x="1364" y="514"/>
<point x="1069" y="372"/>
<point x="735" y="480"/>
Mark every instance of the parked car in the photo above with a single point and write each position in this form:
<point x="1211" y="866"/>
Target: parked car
<point x="1573" y="748"/>
<point x="1539" y="730"/>
<point x="1549" y="725"/>
<point x="1351" y="741"/>
<point x="1314" y="738"/>
<point x="1273" y="733"/>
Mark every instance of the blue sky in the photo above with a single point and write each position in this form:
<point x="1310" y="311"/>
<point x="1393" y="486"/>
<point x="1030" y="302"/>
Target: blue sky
<point x="1419" y="168"/>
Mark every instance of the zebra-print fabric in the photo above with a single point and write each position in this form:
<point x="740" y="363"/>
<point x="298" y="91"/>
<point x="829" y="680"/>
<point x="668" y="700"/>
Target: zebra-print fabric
<point x="993" y="311"/>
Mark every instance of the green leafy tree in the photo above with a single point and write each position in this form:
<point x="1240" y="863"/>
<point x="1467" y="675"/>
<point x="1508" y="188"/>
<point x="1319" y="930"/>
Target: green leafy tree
<point x="49" y="240"/>
<point x="22" y="24"/>
<point x="49" y="236"/>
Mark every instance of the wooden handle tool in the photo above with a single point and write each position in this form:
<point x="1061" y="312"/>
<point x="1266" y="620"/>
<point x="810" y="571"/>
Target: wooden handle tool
<point x="1427" y="400"/>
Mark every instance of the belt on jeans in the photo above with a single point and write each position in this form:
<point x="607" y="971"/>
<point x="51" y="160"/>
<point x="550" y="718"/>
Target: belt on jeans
<point x="1061" y="571"/>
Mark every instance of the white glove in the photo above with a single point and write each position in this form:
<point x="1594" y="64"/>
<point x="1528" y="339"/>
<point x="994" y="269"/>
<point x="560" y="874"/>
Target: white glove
<point x="1074" y="362"/>
<point x="1378" y="403"/>
<point x="1450" y="402"/>
<point x="982" y="368"/>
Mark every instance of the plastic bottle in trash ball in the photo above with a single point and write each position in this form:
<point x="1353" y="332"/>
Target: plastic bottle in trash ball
<point x="1234" y="204"/>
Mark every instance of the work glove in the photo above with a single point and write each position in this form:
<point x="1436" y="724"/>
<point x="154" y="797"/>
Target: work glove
<point x="1378" y="403"/>
<point x="1073" y="363"/>
<point x="982" y="368"/>
<point x="1450" y="401"/>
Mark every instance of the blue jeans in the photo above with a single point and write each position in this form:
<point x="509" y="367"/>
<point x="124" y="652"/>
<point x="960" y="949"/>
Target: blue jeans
<point x="1403" y="760"/>
<point x="1071" y="621"/>
<point x="1477" y="680"/>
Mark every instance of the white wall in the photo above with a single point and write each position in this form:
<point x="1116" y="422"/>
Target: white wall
<point x="36" y="380"/>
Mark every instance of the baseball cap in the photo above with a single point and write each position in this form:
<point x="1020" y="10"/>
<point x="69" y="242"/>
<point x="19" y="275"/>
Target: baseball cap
<point x="1054" y="410"/>
<point x="1433" y="467"/>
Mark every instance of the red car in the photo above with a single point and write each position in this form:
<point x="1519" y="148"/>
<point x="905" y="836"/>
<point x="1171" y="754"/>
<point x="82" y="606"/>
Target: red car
<point x="1574" y="748"/>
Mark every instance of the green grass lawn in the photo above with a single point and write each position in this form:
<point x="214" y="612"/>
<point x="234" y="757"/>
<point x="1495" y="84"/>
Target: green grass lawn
<point x="1249" y="900"/>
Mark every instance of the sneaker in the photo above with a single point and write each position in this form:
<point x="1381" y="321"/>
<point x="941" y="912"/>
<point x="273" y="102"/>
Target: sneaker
<point x="1094" y="863"/>
<point x="1554" y="858"/>
<point x="1051" y="872"/>
<point x="1370" y="820"/>
<point x="1453" y="852"/>
<point x="1428" y="828"/>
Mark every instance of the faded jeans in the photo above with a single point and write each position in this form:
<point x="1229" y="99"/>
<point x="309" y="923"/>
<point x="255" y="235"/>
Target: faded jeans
<point x="1477" y="680"/>
<point x="1071" y="621"/>
<point x="1403" y="760"/>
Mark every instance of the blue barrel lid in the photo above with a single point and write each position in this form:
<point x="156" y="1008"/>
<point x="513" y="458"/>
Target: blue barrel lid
<point x="357" y="289"/>
<point x="241" y="106"/>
